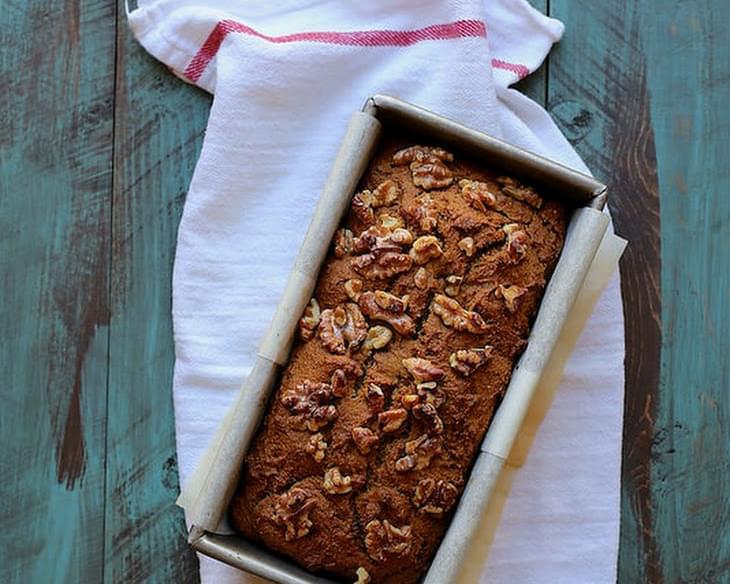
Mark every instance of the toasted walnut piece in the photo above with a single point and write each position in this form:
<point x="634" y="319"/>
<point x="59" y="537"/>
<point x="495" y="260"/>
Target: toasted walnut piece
<point x="428" y="394"/>
<point x="453" y="285"/>
<point x="375" y="397"/>
<point x="391" y="420"/>
<point x="310" y="404"/>
<point x="310" y="320"/>
<point x="454" y="315"/>
<point x="384" y="307"/>
<point x="353" y="288"/>
<point x="516" y="242"/>
<point x="510" y="295"/>
<point x="382" y="238"/>
<point x="343" y="242"/>
<point x="512" y="188"/>
<point x="467" y="246"/>
<point x="362" y="206"/>
<point x="335" y="483"/>
<point x="422" y="369"/>
<point x="378" y="337"/>
<point x="466" y="361"/>
<point x="386" y="193"/>
<point x="427" y="414"/>
<point x="427" y="166"/>
<point x="362" y="576"/>
<point x="418" y="453"/>
<point x="419" y="216"/>
<point x="364" y="439"/>
<point x="425" y="249"/>
<point x="477" y="194"/>
<point x="342" y="328"/>
<point x="435" y="497"/>
<point x="382" y="538"/>
<point x="292" y="512"/>
<point x="317" y="446"/>
<point x="389" y="222"/>
<point x="339" y="383"/>
<point x="422" y="278"/>
<point x="381" y="265"/>
<point x="409" y="400"/>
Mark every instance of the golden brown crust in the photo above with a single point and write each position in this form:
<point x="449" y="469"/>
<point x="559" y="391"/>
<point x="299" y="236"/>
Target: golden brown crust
<point x="389" y="391"/>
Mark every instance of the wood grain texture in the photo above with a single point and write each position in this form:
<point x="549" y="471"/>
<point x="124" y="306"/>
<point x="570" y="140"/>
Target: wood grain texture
<point x="55" y="185"/>
<point x="159" y="129"/>
<point x="687" y="47"/>
<point x="601" y="102"/>
<point x="643" y="105"/>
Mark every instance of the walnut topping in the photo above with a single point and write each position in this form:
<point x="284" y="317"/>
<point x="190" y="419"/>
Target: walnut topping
<point x="310" y="404"/>
<point x="342" y="328"/>
<point x="378" y="337"/>
<point x="362" y="207"/>
<point x="466" y="361"/>
<point x="292" y="512"/>
<point x="362" y="576"/>
<point x="419" y="217"/>
<point x="467" y="246"/>
<point x="390" y="222"/>
<point x="425" y="249"/>
<point x="453" y="285"/>
<point x="454" y="315"/>
<point x="317" y="447"/>
<point x="364" y="439"/>
<point x="381" y="238"/>
<point x="381" y="265"/>
<point x="310" y="321"/>
<point x="422" y="278"/>
<point x="510" y="295"/>
<point x="353" y="288"/>
<point x="422" y="369"/>
<point x="384" y="307"/>
<point x="343" y="242"/>
<point x="375" y="397"/>
<point x="477" y="194"/>
<point x="391" y="420"/>
<point x="339" y="383"/>
<point x="418" y="453"/>
<point x="382" y="538"/>
<point x="427" y="166"/>
<point x="516" y="242"/>
<point x="427" y="394"/>
<point x="386" y="193"/>
<point x="409" y="400"/>
<point x="335" y="483"/>
<point x="435" y="497"/>
<point x="514" y="189"/>
<point x="429" y="416"/>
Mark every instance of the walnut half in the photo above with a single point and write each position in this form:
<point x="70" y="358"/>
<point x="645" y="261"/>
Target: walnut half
<point x="310" y="320"/>
<point x="510" y="295"/>
<point x="342" y="328"/>
<point x="466" y="361"/>
<point x="516" y="242"/>
<point x="418" y="453"/>
<point x="454" y="315"/>
<point x="382" y="538"/>
<point x="310" y="404"/>
<point x="335" y="483"/>
<point x="422" y="370"/>
<point x="427" y="165"/>
<point x="385" y="307"/>
<point x="435" y="497"/>
<point x="292" y="512"/>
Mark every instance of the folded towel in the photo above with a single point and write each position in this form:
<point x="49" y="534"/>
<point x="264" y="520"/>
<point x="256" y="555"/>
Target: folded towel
<point x="286" y="76"/>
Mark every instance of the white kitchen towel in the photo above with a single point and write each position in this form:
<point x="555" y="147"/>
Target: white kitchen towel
<point x="286" y="76"/>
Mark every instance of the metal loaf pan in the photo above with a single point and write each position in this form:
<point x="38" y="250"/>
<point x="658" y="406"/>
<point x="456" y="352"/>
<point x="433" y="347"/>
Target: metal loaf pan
<point x="207" y="509"/>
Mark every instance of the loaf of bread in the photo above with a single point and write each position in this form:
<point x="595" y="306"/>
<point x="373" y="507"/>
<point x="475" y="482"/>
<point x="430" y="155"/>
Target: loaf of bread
<point x="420" y="312"/>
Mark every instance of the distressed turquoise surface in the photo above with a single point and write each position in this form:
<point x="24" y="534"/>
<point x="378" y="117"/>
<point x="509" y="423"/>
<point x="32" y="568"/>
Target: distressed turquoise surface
<point x="97" y="146"/>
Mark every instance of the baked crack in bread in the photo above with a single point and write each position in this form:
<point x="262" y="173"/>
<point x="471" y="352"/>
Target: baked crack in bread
<point x="420" y="312"/>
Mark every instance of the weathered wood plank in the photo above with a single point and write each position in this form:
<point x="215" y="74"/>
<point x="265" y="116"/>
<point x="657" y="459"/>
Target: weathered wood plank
<point x="643" y="105"/>
<point x="687" y="47"/>
<point x="598" y="94"/>
<point x="159" y="131"/>
<point x="56" y="91"/>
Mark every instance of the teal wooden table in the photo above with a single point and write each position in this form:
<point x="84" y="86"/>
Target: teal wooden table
<point x="97" y="146"/>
